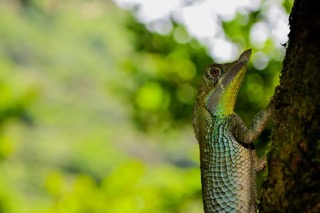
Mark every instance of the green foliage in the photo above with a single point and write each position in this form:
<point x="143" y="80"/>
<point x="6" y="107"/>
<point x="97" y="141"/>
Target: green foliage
<point x="95" y="110"/>
<point x="163" y="75"/>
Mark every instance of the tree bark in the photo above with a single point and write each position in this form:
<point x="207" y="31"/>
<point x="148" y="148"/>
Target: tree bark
<point x="293" y="183"/>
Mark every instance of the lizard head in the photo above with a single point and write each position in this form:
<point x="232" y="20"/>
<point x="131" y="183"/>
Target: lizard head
<point x="221" y="83"/>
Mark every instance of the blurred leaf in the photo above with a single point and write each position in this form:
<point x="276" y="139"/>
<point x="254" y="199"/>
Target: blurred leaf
<point x="79" y="80"/>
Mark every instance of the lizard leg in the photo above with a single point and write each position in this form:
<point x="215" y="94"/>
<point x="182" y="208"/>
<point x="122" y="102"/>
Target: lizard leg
<point x="258" y="163"/>
<point x="245" y="134"/>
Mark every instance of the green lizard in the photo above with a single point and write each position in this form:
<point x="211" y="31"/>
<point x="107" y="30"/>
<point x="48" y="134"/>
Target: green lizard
<point x="228" y="159"/>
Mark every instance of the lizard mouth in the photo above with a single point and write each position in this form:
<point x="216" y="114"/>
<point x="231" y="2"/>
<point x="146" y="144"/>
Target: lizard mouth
<point x="237" y="71"/>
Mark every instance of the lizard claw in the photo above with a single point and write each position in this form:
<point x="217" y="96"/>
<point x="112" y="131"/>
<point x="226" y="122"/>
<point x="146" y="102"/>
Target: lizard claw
<point x="260" y="164"/>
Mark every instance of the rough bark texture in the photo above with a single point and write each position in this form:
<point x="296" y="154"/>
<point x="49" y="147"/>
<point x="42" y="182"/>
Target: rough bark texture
<point x="293" y="183"/>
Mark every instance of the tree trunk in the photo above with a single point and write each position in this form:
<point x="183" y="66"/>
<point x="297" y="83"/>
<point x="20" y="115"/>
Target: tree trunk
<point x="293" y="183"/>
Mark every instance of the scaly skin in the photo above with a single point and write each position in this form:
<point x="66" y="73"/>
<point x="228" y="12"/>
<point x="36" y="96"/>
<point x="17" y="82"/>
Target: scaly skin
<point x="228" y="159"/>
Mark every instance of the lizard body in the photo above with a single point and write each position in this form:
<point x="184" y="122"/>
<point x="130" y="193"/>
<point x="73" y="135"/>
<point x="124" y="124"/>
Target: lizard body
<point x="228" y="160"/>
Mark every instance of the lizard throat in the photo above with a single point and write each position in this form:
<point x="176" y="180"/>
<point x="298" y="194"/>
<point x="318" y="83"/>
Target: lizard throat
<point x="222" y="100"/>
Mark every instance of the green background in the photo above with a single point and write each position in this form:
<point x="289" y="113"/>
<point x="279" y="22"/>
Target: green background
<point x="95" y="110"/>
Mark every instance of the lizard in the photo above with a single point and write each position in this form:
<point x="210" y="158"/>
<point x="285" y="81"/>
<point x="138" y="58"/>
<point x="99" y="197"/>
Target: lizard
<point x="228" y="159"/>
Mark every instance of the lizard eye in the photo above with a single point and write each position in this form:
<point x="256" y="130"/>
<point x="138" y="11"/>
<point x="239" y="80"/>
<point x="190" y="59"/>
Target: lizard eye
<point x="214" y="72"/>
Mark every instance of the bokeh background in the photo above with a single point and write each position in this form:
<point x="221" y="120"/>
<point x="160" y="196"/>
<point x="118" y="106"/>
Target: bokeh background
<point x="96" y="97"/>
